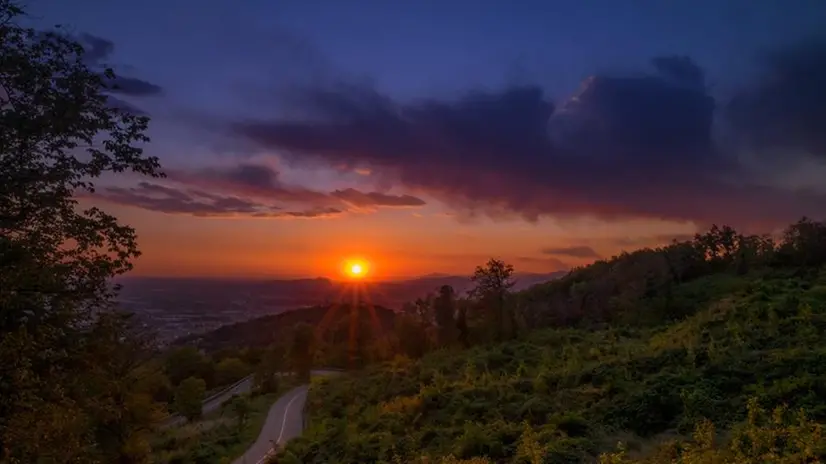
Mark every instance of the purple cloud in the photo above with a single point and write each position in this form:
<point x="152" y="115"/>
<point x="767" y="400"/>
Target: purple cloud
<point x="155" y="197"/>
<point x="262" y="181"/>
<point x="624" y="147"/>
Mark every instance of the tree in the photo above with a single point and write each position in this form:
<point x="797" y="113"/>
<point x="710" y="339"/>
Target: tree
<point x="189" y="397"/>
<point x="444" y="312"/>
<point x="242" y="408"/>
<point x="301" y="350"/>
<point x="266" y="373"/>
<point x="493" y="283"/>
<point x="57" y="135"/>
<point x="185" y="362"/>
<point x="230" y="370"/>
<point x="411" y="336"/>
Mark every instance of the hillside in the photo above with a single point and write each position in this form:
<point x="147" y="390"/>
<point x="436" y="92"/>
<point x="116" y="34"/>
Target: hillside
<point x="581" y="391"/>
<point x="273" y="329"/>
<point x="628" y="351"/>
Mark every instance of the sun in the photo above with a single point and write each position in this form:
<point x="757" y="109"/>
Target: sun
<point x="356" y="269"/>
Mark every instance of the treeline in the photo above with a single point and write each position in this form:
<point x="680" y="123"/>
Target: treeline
<point x="636" y="288"/>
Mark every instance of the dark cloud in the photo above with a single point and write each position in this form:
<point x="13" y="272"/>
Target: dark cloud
<point x="132" y="86"/>
<point x="370" y="199"/>
<point x="581" y="251"/>
<point x="313" y="213"/>
<point x="118" y="104"/>
<point x="155" y="197"/>
<point x="97" y="48"/>
<point x="98" y="51"/>
<point x="623" y="147"/>
<point x="249" y="180"/>
<point x="786" y="110"/>
<point x="262" y="181"/>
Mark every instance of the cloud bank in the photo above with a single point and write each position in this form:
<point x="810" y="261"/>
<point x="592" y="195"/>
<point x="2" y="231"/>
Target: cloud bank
<point x="620" y="148"/>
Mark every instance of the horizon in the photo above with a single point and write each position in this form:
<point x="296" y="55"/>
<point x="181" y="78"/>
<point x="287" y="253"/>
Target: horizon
<point x="338" y="280"/>
<point x="295" y="142"/>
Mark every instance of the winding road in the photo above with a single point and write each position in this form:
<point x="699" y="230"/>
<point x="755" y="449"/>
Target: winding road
<point x="284" y="422"/>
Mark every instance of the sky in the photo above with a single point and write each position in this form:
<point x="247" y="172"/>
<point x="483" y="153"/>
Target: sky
<point x="426" y="137"/>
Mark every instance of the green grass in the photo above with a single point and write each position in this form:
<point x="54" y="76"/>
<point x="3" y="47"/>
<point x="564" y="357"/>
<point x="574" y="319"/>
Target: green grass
<point x="568" y="395"/>
<point x="215" y="438"/>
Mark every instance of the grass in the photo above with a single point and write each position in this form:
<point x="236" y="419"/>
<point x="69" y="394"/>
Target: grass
<point x="216" y="438"/>
<point x="744" y="346"/>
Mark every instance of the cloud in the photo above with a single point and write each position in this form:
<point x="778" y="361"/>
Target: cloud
<point x="248" y="180"/>
<point x="155" y="197"/>
<point x="553" y="264"/>
<point x="786" y="110"/>
<point x="258" y="180"/>
<point x="623" y="147"/>
<point x="372" y="199"/>
<point x="98" y="51"/>
<point x="313" y="213"/>
<point x="572" y="251"/>
<point x="118" y="104"/>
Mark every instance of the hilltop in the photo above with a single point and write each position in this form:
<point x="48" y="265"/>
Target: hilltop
<point x="703" y="351"/>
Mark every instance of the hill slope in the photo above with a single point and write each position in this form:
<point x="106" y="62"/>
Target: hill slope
<point x="567" y="395"/>
<point x="273" y="329"/>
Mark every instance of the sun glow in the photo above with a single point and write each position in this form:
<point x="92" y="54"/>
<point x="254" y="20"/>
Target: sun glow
<point x="355" y="269"/>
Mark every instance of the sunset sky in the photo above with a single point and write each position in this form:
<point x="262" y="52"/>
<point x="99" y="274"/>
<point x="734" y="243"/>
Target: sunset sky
<point x="428" y="136"/>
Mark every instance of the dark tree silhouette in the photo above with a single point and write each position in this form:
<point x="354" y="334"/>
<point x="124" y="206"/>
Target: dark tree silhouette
<point x="57" y="135"/>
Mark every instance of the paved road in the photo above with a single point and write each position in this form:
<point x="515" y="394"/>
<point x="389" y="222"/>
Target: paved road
<point x="214" y="402"/>
<point x="284" y="422"/>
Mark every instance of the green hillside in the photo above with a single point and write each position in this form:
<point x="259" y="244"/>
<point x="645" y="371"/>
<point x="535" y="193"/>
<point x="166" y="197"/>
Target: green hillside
<point x="665" y="363"/>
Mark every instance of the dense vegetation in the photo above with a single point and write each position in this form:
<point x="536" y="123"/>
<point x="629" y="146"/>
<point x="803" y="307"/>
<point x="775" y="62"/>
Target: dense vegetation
<point x="218" y="437"/>
<point x="79" y="381"/>
<point x="67" y="359"/>
<point x="645" y="349"/>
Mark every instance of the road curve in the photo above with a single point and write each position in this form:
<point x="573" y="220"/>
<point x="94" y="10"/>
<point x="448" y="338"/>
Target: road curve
<point x="215" y="401"/>
<point x="285" y="421"/>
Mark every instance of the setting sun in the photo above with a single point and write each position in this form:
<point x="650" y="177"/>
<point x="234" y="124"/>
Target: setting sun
<point x="355" y="269"/>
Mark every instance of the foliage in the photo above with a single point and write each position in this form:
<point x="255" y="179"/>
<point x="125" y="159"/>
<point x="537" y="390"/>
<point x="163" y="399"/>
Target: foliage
<point x="493" y="282"/>
<point x="66" y="394"/>
<point x="301" y="351"/>
<point x="776" y="437"/>
<point x="272" y="362"/>
<point x="185" y="362"/>
<point x="242" y="408"/>
<point x="646" y="346"/>
<point x="216" y="438"/>
<point x="230" y="370"/>
<point x="188" y="397"/>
